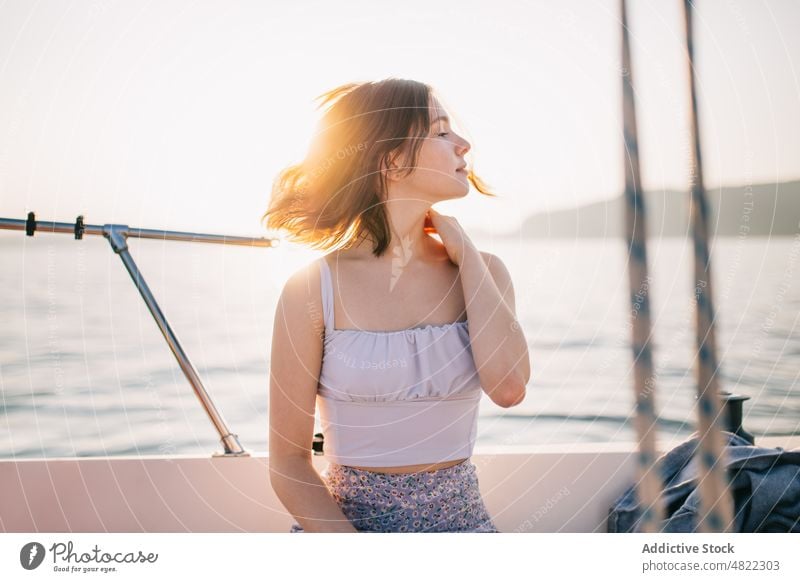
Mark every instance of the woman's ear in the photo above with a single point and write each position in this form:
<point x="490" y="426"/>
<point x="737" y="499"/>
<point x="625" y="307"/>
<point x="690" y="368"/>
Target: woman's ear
<point x="393" y="165"/>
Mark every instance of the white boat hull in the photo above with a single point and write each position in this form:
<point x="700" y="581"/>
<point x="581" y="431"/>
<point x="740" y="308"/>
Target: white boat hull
<point x="556" y="488"/>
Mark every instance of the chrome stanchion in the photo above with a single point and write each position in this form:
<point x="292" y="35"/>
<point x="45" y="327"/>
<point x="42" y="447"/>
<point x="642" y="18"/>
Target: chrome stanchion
<point x="117" y="235"/>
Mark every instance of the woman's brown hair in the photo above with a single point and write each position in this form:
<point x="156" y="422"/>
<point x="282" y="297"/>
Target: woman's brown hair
<point x="335" y="196"/>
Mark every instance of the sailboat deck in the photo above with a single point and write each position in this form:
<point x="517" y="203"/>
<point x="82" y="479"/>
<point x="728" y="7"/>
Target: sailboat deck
<point x="539" y="488"/>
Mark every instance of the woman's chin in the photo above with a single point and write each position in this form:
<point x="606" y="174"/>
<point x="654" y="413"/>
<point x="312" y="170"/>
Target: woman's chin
<point x="455" y="193"/>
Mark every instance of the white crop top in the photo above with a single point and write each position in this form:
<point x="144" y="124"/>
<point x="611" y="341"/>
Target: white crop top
<point x="395" y="398"/>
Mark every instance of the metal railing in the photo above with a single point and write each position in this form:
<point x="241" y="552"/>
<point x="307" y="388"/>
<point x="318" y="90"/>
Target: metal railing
<point x="117" y="235"/>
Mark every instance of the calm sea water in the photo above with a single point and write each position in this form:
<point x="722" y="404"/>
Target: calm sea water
<point x="85" y="372"/>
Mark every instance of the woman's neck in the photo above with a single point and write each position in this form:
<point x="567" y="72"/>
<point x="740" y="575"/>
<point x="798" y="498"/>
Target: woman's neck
<point x="409" y="244"/>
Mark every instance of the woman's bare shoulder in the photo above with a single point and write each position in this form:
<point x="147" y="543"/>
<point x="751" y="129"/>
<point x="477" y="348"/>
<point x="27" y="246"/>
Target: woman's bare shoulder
<point x="305" y="276"/>
<point x="301" y="294"/>
<point x="492" y="260"/>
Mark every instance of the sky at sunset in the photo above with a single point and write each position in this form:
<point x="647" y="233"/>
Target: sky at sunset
<point x="179" y="114"/>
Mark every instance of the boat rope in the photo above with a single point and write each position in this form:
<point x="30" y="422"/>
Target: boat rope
<point x="716" y="503"/>
<point x="648" y="487"/>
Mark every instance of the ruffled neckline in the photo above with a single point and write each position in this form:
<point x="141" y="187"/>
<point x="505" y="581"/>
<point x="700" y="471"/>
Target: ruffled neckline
<point x="404" y="331"/>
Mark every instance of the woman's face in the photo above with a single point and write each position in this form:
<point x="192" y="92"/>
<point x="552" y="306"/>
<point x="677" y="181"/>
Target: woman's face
<point x="440" y="172"/>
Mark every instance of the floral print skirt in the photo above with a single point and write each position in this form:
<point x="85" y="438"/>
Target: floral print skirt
<point x="445" y="500"/>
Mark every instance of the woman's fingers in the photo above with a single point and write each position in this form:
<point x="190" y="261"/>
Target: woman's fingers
<point x="428" y="225"/>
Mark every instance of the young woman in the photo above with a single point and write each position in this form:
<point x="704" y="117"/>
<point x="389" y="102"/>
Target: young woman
<point x="394" y="334"/>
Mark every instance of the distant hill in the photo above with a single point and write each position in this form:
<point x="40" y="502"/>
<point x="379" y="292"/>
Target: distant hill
<point x="767" y="209"/>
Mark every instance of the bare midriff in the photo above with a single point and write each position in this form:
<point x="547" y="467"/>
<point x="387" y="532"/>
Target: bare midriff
<point x="411" y="468"/>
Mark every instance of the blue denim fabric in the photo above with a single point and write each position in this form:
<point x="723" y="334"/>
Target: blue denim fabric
<point x="765" y="484"/>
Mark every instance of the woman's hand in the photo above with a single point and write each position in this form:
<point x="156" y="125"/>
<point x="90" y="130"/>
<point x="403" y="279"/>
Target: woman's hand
<point x="453" y="237"/>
